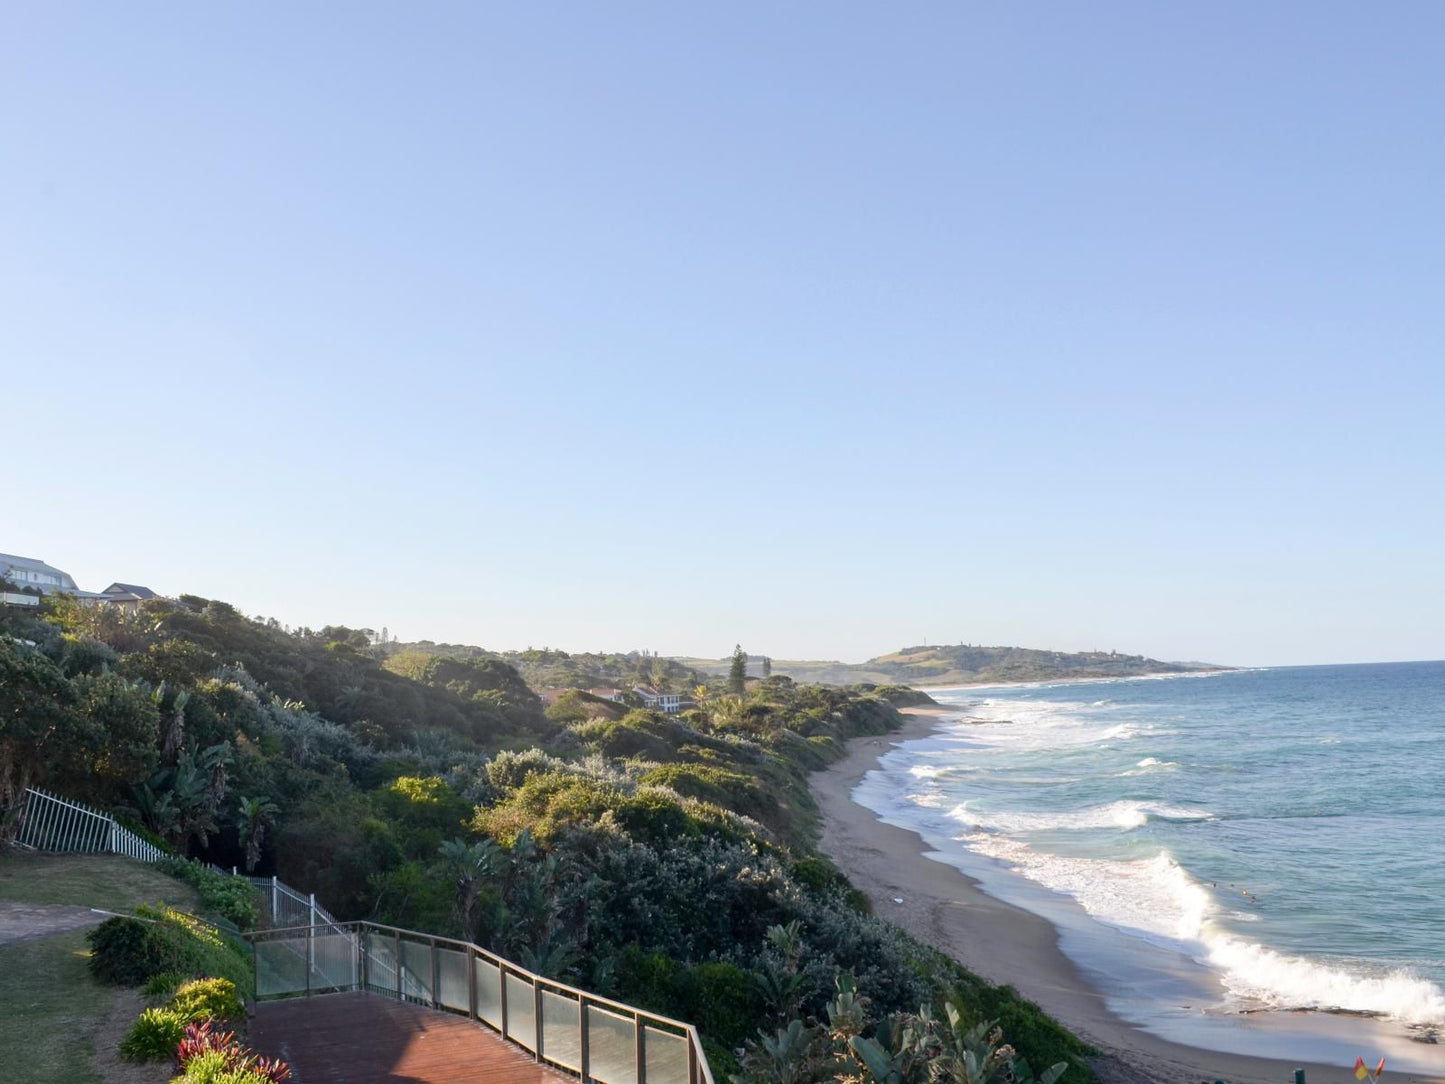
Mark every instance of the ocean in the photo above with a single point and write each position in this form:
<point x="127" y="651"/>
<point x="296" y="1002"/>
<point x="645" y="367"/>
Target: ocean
<point x="1209" y="846"/>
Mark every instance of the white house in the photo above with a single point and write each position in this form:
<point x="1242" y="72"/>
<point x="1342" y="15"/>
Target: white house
<point x="671" y="703"/>
<point x="28" y="572"/>
<point x="615" y="695"/>
<point x="49" y="580"/>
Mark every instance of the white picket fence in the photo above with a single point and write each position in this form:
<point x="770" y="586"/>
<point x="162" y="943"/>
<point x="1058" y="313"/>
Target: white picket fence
<point x="52" y="823"/>
<point x="49" y="822"/>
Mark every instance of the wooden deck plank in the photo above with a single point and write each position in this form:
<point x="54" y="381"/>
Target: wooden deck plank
<point x="366" y="1038"/>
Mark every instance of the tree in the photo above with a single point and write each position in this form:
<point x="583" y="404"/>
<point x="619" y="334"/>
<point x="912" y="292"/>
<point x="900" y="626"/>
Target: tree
<point x="738" y="672"/>
<point x="253" y="817"/>
<point x="128" y="725"/>
<point x="767" y="667"/>
<point x="41" y="730"/>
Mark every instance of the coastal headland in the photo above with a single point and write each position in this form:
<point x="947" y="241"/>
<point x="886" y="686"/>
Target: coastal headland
<point x="943" y="907"/>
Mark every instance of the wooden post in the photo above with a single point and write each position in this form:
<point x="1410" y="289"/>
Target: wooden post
<point x="640" y="1051"/>
<point x="691" y="1057"/>
<point x="584" y="1056"/>
<point x="363" y="971"/>
<point x="537" y="1015"/>
<point x="436" y="1000"/>
<point x="471" y="982"/>
<point x="502" y="994"/>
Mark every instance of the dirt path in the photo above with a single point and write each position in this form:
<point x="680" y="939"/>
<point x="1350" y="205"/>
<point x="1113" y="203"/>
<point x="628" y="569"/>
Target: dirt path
<point x="32" y="921"/>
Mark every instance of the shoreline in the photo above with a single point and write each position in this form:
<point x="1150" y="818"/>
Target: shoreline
<point x="944" y="907"/>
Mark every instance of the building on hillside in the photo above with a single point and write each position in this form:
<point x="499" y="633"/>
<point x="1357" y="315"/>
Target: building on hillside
<point x="615" y="695"/>
<point x="128" y="596"/>
<point x="123" y="589"/>
<point x="551" y="696"/>
<point x="28" y="572"/>
<point x="654" y="700"/>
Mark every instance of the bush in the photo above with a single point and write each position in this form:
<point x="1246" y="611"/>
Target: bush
<point x="133" y="951"/>
<point x="214" y="1057"/>
<point x="163" y="985"/>
<point x="233" y="898"/>
<point x="202" y="999"/>
<point x="153" y="1037"/>
<point x="128" y="952"/>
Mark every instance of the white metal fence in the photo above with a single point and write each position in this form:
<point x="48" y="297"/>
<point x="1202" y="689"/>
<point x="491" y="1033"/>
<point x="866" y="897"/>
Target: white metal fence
<point x="51" y="823"/>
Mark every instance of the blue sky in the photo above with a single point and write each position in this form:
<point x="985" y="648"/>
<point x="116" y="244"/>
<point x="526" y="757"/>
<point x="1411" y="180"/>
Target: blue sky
<point x="823" y="328"/>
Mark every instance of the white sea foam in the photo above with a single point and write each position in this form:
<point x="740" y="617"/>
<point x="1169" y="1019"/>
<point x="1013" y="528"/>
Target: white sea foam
<point x="1158" y="900"/>
<point x="1154" y="899"/>
<point x="1151" y="764"/>
<point x="1121" y="814"/>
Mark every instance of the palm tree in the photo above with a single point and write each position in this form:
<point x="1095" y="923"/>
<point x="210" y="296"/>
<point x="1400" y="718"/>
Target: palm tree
<point x="253" y="817"/>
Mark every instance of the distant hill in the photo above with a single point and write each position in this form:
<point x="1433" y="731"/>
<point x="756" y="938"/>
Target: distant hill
<point x="546" y="668"/>
<point x="960" y="664"/>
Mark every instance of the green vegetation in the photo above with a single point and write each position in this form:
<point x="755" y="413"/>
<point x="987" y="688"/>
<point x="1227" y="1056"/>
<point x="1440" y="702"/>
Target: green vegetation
<point x="960" y="664"/>
<point x="50" y="1005"/>
<point x="652" y="858"/>
<point x="159" y="1030"/>
<point x="905" y="1048"/>
<point x="164" y="941"/>
<point x="545" y="668"/>
<point x="105" y="881"/>
<point x="154" y="1036"/>
<point x="49" y="1011"/>
<point x="230" y="898"/>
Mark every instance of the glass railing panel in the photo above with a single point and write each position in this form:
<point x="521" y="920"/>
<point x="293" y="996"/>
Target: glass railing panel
<point x="666" y="1057"/>
<point x="611" y="1047"/>
<point x="521" y="1013"/>
<point x="416" y="970"/>
<point x="452" y="979"/>
<point x="561" y="1037"/>
<point x="280" y="966"/>
<point x="333" y="961"/>
<point x="380" y="961"/>
<point x="489" y="992"/>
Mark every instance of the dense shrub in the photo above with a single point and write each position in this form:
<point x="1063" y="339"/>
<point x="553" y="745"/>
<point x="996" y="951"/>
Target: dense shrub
<point x="154" y="1036"/>
<point x="128" y="952"/>
<point x="207" y="999"/>
<point x="208" y="1056"/>
<point x="132" y="951"/>
<point x="232" y="898"/>
<point x="163" y="985"/>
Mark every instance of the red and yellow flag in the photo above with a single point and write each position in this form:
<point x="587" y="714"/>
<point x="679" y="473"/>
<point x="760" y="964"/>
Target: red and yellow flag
<point x="1362" y="1071"/>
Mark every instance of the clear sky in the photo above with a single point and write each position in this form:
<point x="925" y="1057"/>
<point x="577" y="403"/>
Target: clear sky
<point x="824" y="328"/>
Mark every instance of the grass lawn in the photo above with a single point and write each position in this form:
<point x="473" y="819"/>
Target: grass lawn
<point x="105" y="881"/>
<point x="49" y="1010"/>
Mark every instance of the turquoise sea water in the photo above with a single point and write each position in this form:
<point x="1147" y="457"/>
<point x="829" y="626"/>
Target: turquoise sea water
<point x="1281" y="832"/>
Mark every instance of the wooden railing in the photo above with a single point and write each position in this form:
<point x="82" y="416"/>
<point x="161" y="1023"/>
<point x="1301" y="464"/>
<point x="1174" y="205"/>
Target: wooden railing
<point x="595" y="1037"/>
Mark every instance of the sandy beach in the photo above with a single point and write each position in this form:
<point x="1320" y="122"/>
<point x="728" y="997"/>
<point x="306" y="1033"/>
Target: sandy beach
<point x="1005" y="944"/>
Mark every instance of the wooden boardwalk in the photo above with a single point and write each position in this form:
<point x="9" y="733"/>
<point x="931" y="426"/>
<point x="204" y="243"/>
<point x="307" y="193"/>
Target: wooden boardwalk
<point x="366" y="1038"/>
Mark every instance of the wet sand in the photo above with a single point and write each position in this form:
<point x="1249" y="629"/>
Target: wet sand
<point x="1006" y="944"/>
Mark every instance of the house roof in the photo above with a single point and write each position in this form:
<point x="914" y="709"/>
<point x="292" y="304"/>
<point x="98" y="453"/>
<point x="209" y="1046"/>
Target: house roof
<point x="129" y="589"/>
<point x="30" y="564"/>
